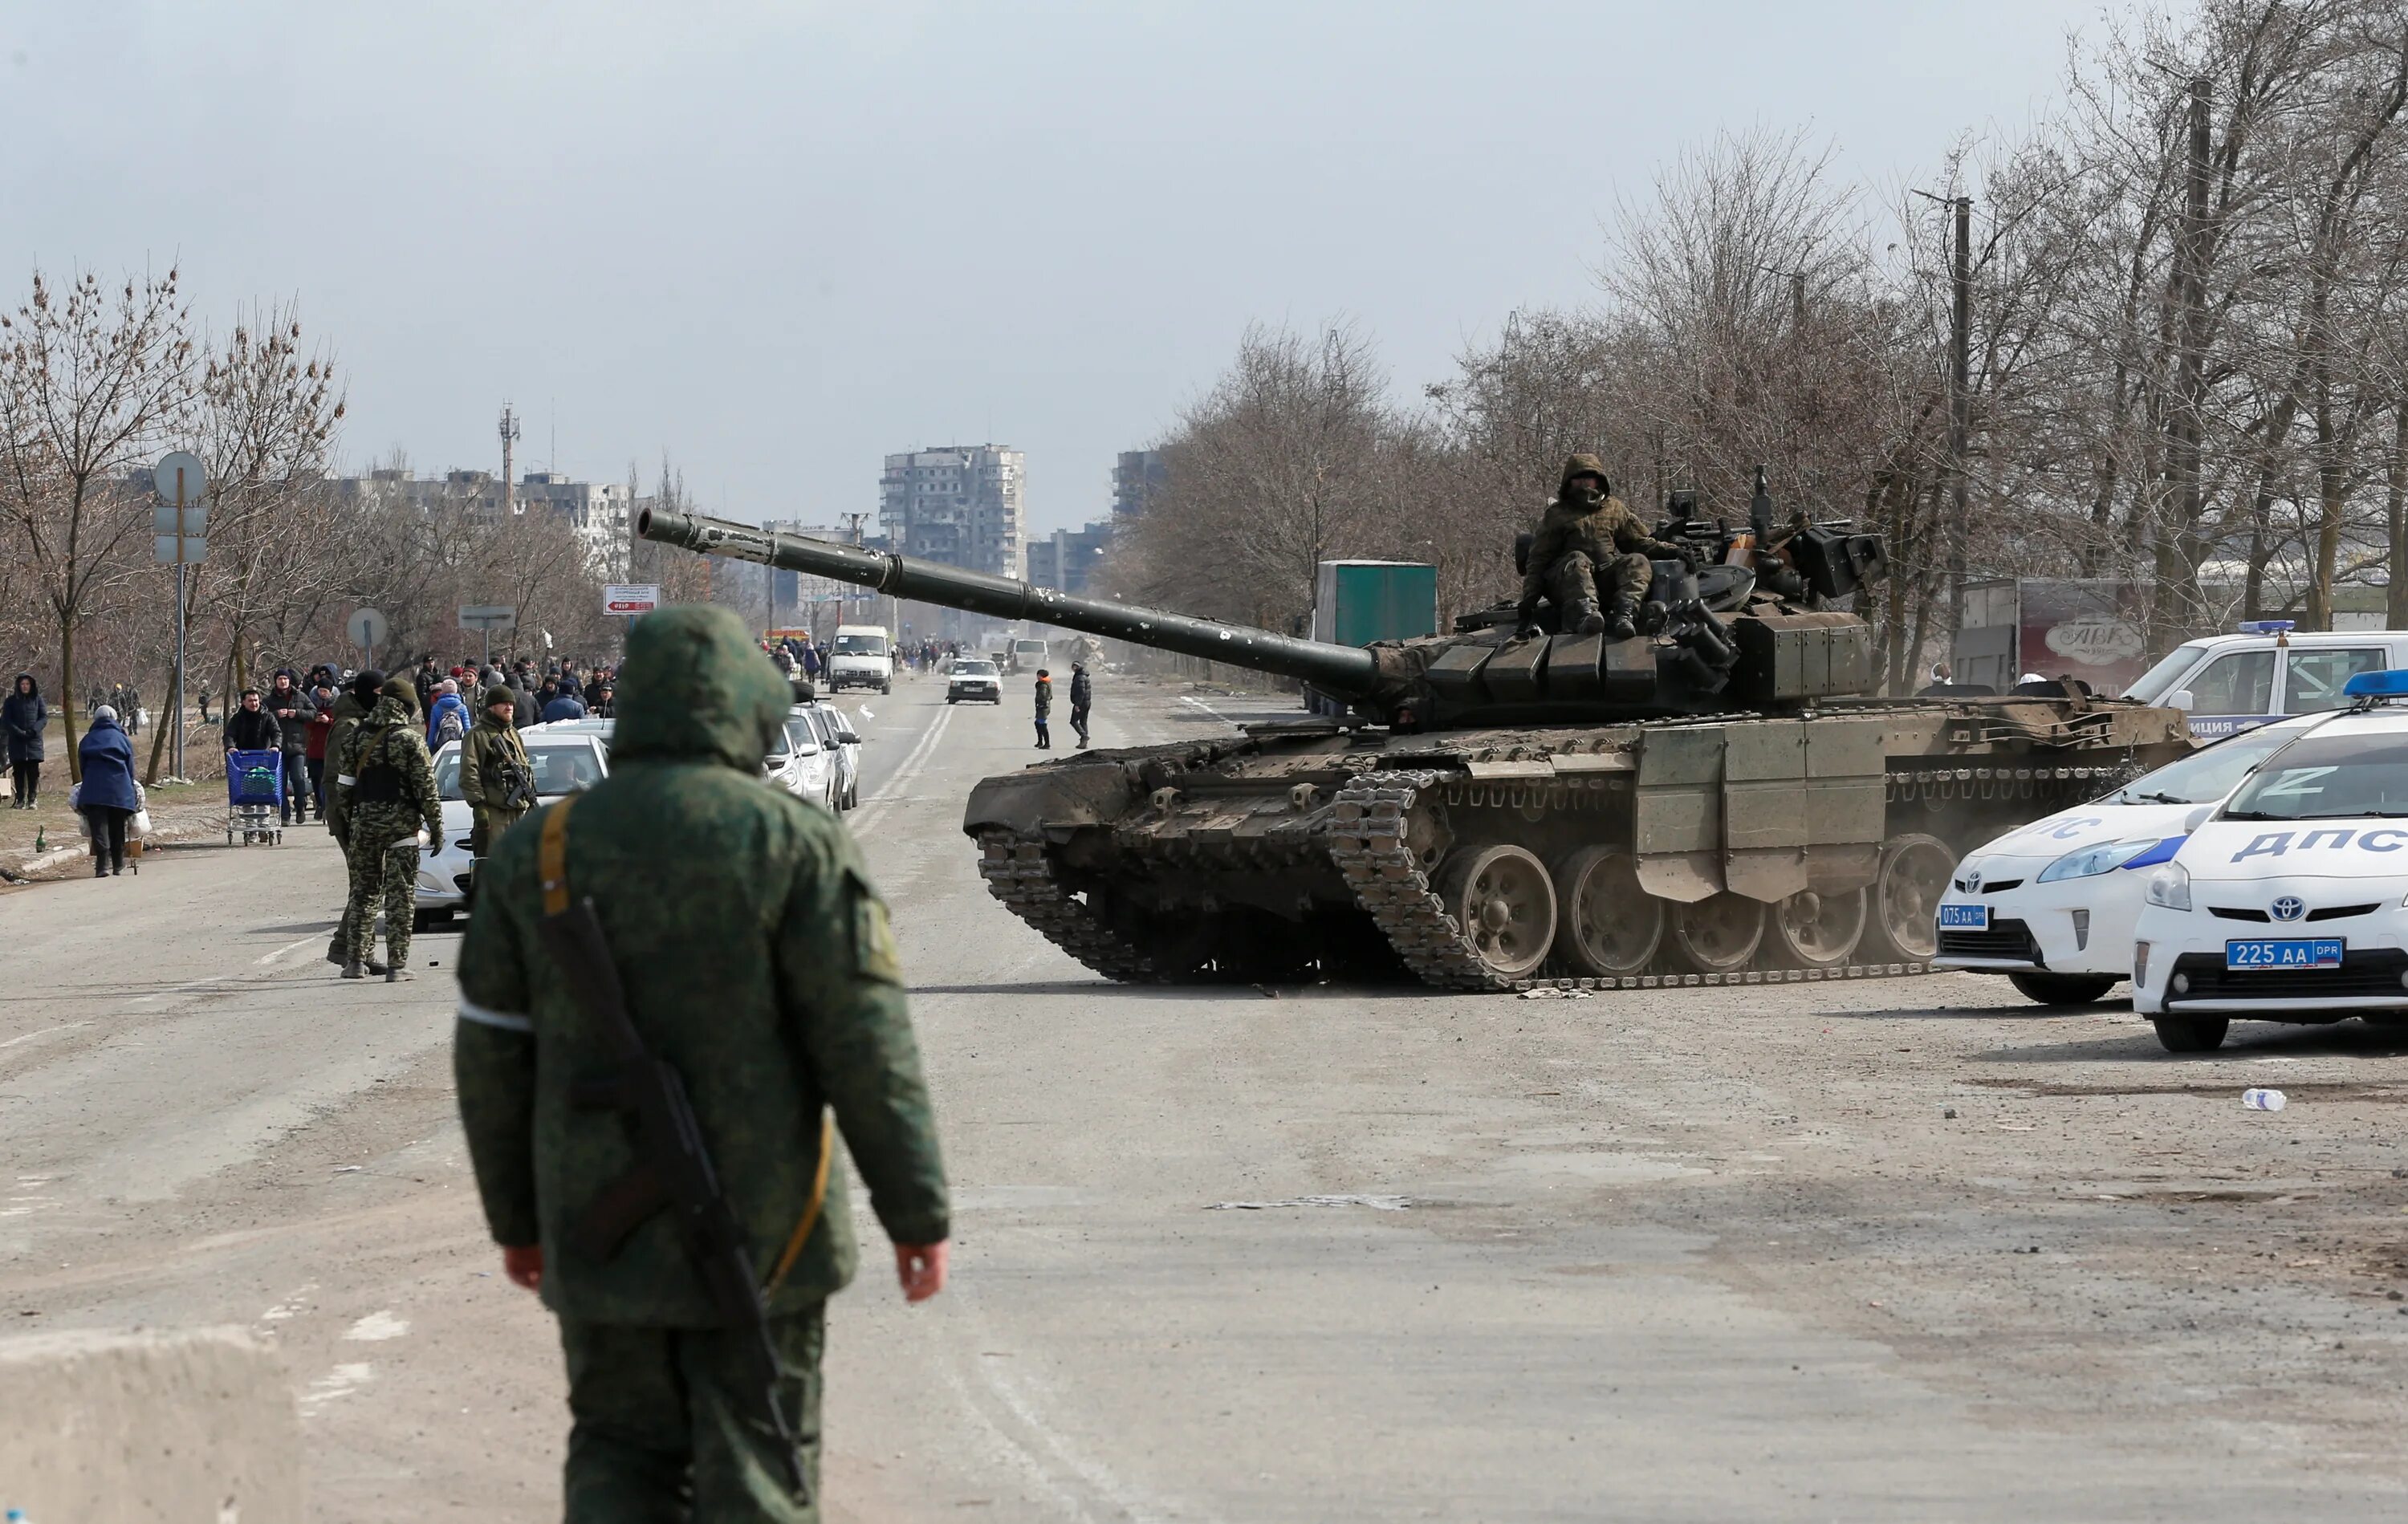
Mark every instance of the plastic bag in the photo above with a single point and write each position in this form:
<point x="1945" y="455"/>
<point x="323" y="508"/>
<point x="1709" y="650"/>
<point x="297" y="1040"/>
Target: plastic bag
<point x="74" y="797"/>
<point x="137" y="825"/>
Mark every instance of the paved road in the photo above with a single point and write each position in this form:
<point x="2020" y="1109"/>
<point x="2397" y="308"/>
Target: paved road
<point x="1696" y="1255"/>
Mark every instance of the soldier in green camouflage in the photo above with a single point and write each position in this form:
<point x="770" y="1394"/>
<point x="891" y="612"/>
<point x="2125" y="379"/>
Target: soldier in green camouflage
<point x="1588" y="544"/>
<point x="358" y="696"/>
<point x="387" y="783"/>
<point x="495" y="777"/>
<point x="757" y="963"/>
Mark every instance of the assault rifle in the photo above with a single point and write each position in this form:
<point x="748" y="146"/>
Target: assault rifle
<point x="674" y="1170"/>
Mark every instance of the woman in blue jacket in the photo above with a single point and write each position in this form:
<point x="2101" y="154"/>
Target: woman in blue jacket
<point x="106" y="798"/>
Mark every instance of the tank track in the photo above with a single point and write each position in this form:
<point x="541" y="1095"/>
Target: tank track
<point x="1020" y="873"/>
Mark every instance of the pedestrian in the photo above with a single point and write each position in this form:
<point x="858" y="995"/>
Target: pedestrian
<point x="391" y="813"/>
<point x="770" y="988"/>
<point x="495" y="777"/>
<point x="1083" y="698"/>
<point x="106" y="797"/>
<point x="26" y="719"/>
<point x="321" y="728"/>
<point x="447" y="715"/>
<point x="1044" y="709"/>
<point x="605" y="709"/>
<point x="291" y="708"/>
<point x="563" y="704"/>
<point x="352" y="705"/>
<point x="205" y="705"/>
<point x="251" y="728"/>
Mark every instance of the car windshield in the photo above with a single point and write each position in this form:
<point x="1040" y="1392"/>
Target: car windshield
<point x="2325" y="777"/>
<point x="2206" y="775"/>
<point x="861" y="644"/>
<point x="558" y="770"/>
<point x="799" y="735"/>
<point x="2154" y="683"/>
<point x="973" y="669"/>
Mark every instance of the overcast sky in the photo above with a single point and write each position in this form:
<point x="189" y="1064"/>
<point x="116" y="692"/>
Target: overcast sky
<point x="781" y="239"/>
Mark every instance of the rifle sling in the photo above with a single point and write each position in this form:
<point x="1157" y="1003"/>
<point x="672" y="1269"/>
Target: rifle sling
<point x="552" y="866"/>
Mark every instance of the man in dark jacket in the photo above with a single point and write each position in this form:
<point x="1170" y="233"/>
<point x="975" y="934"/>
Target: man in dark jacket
<point x="757" y="963"/>
<point x="24" y="716"/>
<point x="564" y="705"/>
<point x="251" y="728"/>
<point x="291" y="708"/>
<point x="1590" y="544"/>
<point x="1083" y="698"/>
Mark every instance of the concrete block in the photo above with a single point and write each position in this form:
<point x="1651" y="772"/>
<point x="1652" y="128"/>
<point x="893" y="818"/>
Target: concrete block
<point x="194" y="1427"/>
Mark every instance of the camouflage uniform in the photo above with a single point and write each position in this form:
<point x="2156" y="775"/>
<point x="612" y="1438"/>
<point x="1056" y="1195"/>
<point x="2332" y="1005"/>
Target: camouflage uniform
<point x="386" y="755"/>
<point x="489" y="742"/>
<point x="348" y="712"/>
<point x="757" y="963"/>
<point x="1588" y="545"/>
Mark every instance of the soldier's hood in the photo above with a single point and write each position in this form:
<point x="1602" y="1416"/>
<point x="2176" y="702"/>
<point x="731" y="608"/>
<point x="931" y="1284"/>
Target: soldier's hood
<point x="391" y="710"/>
<point x="1584" y="465"/>
<point x="348" y="706"/>
<point x="695" y="688"/>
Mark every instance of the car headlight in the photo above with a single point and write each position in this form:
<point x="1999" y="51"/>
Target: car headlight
<point x="2169" y="887"/>
<point x="2090" y="861"/>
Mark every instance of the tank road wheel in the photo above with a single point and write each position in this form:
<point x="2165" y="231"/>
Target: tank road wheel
<point x="1813" y="930"/>
<point x="1719" y="934"/>
<point x="1607" y="926"/>
<point x="1907" y="886"/>
<point x="1506" y="904"/>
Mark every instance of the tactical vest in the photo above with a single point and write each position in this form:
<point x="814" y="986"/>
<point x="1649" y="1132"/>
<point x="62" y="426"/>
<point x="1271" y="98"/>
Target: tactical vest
<point x="379" y="781"/>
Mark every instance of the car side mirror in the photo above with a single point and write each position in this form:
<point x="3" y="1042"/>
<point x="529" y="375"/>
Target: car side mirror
<point x="2181" y="699"/>
<point x="2197" y="817"/>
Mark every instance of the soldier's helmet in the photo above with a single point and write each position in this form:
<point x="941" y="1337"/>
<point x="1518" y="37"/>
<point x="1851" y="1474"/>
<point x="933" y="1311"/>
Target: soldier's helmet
<point x="1584" y="465"/>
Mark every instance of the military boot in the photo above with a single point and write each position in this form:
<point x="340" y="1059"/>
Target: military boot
<point x="1582" y="619"/>
<point x="1618" y="622"/>
<point x="351" y="969"/>
<point x="396" y="972"/>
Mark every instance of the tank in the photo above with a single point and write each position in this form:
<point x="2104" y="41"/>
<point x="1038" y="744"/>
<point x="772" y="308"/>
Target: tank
<point x="1713" y="801"/>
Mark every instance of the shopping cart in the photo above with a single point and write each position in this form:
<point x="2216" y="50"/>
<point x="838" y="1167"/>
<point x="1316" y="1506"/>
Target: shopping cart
<point x="254" y="796"/>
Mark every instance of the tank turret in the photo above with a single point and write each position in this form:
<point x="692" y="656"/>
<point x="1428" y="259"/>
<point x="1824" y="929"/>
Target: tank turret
<point x="1714" y="639"/>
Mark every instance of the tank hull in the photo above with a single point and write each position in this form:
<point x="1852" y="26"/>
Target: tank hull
<point x="1732" y="849"/>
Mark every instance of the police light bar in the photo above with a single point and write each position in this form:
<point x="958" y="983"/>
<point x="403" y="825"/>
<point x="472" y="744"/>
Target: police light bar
<point x="2267" y="627"/>
<point x="2376" y="685"/>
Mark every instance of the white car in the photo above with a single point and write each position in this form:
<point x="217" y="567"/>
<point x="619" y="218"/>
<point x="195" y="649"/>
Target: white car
<point x="2232" y="683"/>
<point x="567" y="758"/>
<point x="847" y="741"/>
<point x="2287" y="903"/>
<point x="802" y="763"/>
<point x="974" y="678"/>
<point x="2052" y="904"/>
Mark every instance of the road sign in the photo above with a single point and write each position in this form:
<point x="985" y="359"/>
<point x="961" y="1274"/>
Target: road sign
<point x="180" y="471"/>
<point x="489" y="616"/>
<point x="631" y="597"/>
<point x="197" y="521"/>
<point x="195" y="548"/>
<point x="367" y="628"/>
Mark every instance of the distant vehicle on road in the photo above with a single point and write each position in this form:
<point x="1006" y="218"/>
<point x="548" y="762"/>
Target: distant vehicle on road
<point x="861" y="655"/>
<point x="801" y="762"/>
<point x="1028" y="656"/>
<point x="2231" y="683"/>
<point x="2052" y="904"/>
<point x="974" y="678"/>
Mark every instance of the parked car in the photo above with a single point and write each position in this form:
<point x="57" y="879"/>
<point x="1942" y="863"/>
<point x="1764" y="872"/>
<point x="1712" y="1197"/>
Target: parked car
<point x="2231" y="683"/>
<point x="847" y="740"/>
<point x="2052" y="904"/>
<point x="975" y="679"/>
<point x="567" y="757"/>
<point x="802" y="763"/>
<point x="861" y="655"/>
<point x="2289" y="901"/>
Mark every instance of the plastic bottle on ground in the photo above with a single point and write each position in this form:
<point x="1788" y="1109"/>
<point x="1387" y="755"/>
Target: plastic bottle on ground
<point x="2257" y="1100"/>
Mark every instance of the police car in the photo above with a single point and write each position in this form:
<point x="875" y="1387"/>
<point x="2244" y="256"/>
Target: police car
<point x="2236" y="682"/>
<point x="2289" y="901"/>
<point x="2052" y="904"/>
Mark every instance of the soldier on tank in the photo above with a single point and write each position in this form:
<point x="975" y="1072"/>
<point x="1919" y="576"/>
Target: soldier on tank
<point x="1591" y="549"/>
<point x="747" y="954"/>
<point x="389" y="808"/>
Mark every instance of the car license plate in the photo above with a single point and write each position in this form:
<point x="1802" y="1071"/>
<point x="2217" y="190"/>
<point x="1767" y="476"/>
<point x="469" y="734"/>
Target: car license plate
<point x="1964" y="917"/>
<point x="2277" y="953"/>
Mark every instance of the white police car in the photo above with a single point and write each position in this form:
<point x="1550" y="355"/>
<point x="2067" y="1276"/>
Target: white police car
<point x="2052" y="904"/>
<point x="2287" y="903"/>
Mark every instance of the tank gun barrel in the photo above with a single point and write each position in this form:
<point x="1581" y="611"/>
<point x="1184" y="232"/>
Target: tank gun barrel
<point x="1339" y="669"/>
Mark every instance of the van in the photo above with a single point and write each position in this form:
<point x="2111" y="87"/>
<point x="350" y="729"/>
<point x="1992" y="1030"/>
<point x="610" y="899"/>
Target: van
<point x="2234" y="683"/>
<point x="861" y="655"/>
<point x="1028" y="655"/>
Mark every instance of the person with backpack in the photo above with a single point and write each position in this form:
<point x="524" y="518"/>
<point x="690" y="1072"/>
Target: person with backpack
<point x="447" y="718"/>
<point x="390" y="811"/>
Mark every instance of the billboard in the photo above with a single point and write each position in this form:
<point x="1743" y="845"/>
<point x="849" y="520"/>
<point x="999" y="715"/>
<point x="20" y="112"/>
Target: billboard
<point x="631" y="598"/>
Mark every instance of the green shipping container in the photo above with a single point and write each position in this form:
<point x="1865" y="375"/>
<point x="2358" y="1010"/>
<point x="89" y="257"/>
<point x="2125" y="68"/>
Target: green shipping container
<point x="1358" y="602"/>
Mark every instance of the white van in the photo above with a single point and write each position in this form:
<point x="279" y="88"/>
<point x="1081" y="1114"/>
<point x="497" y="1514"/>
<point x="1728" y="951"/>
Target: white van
<point x="2234" y="683"/>
<point x="863" y="657"/>
<point x="1028" y="655"/>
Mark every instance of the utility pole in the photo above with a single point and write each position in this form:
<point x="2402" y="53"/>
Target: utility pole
<point x="509" y="430"/>
<point x="2183" y="460"/>
<point x="1960" y="395"/>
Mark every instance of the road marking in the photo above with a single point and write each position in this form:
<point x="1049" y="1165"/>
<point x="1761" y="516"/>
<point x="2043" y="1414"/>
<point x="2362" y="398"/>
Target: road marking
<point x="377" y="1327"/>
<point x="45" y="1032"/>
<point x="342" y="1381"/>
<point x="290" y="1305"/>
<point x="890" y="792"/>
<point x="289" y="946"/>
